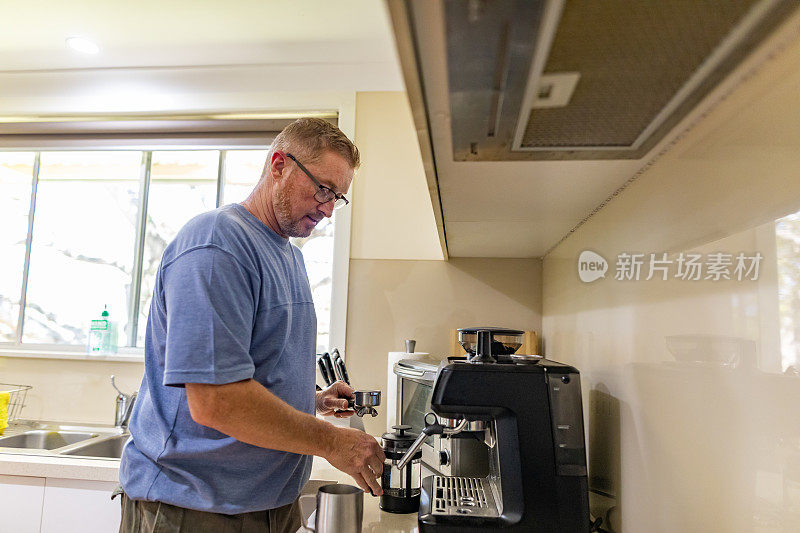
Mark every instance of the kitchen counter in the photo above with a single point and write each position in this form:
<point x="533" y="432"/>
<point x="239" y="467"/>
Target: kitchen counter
<point x="107" y="470"/>
<point x="375" y="520"/>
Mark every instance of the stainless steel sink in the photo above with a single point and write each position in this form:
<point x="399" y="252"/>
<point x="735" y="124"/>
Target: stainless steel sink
<point x="35" y="437"/>
<point x="109" y="447"/>
<point x="45" y="440"/>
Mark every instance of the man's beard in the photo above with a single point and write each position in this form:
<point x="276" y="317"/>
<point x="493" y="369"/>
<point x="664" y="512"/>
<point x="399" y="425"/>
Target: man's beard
<point x="283" y="214"/>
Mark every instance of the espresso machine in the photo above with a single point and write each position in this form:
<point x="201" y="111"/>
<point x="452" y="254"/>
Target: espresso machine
<point x="528" y="412"/>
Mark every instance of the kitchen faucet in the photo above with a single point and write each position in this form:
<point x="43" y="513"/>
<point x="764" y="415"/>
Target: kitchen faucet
<point x="124" y="406"/>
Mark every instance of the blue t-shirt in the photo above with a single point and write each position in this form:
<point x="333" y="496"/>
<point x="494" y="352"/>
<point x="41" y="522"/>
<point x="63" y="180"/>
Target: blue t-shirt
<point x="231" y="302"/>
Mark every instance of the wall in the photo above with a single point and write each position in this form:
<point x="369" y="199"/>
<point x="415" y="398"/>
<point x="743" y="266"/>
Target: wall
<point x="70" y="391"/>
<point x="392" y="212"/>
<point x="679" y="440"/>
<point x="390" y="301"/>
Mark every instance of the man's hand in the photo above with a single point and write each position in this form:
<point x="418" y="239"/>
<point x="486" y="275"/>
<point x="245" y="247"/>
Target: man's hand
<point x="333" y="400"/>
<point x="359" y="455"/>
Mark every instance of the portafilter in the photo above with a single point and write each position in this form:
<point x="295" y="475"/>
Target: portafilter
<point x="365" y="401"/>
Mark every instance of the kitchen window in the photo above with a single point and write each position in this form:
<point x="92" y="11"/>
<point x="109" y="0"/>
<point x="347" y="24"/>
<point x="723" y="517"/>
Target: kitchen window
<point x="787" y="234"/>
<point x="86" y="229"/>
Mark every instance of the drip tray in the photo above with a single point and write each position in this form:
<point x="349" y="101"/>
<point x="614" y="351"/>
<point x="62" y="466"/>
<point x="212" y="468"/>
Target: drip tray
<point x="462" y="496"/>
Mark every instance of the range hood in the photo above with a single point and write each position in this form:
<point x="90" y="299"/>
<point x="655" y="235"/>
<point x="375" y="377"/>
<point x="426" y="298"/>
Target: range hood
<point x="532" y="115"/>
<point x="583" y="79"/>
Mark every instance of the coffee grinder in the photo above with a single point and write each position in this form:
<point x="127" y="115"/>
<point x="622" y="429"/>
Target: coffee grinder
<point x="531" y="410"/>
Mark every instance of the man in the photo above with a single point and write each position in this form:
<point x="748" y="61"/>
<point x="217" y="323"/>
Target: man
<point x="224" y="427"/>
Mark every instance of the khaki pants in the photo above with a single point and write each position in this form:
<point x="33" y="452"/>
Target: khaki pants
<point x="155" y="517"/>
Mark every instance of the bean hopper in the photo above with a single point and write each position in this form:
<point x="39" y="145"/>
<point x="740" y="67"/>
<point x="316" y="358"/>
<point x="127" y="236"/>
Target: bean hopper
<point x="490" y="344"/>
<point x="401" y="486"/>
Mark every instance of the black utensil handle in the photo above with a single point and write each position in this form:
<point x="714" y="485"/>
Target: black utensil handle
<point x="324" y="371"/>
<point x="337" y="368"/>
<point x="329" y="366"/>
<point x="342" y="370"/>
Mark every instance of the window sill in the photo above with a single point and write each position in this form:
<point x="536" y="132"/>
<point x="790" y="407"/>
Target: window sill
<point x="133" y="356"/>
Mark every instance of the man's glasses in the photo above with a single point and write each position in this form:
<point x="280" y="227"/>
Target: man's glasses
<point x="324" y="194"/>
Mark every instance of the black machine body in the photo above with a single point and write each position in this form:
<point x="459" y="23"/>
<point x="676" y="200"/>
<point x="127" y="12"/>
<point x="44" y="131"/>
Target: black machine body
<point x="538" y="478"/>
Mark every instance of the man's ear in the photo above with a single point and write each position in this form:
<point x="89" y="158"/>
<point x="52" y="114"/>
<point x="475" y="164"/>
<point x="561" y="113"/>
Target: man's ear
<point x="277" y="164"/>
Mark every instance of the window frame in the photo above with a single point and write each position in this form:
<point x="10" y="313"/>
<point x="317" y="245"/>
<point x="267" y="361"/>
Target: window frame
<point x="127" y="353"/>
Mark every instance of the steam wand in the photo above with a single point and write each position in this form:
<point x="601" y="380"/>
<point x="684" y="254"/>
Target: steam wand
<point x="434" y="428"/>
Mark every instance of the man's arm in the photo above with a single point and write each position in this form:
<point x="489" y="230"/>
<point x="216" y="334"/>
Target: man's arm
<point x="248" y="412"/>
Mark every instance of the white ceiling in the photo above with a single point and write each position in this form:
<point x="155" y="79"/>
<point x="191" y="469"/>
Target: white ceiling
<point x="151" y="33"/>
<point x="181" y="55"/>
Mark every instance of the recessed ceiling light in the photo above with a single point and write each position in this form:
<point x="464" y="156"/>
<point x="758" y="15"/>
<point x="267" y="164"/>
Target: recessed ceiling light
<point x="82" y="44"/>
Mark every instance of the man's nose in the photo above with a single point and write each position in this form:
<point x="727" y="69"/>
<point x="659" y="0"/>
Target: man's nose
<point x="327" y="208"/>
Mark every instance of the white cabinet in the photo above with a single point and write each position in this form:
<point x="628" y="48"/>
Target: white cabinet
<point x="54" y="505"/>
<point x="21" y="499"/>
<point x="79" y="506"/>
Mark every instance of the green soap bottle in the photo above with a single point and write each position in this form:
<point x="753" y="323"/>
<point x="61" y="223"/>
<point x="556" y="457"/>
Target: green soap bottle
<point x="102" y="335"/>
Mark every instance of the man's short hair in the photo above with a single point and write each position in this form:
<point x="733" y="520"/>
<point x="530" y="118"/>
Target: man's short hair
<point x="308" y="138"/>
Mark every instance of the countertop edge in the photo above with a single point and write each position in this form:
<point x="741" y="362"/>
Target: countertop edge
<point x="12" y="464"/>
